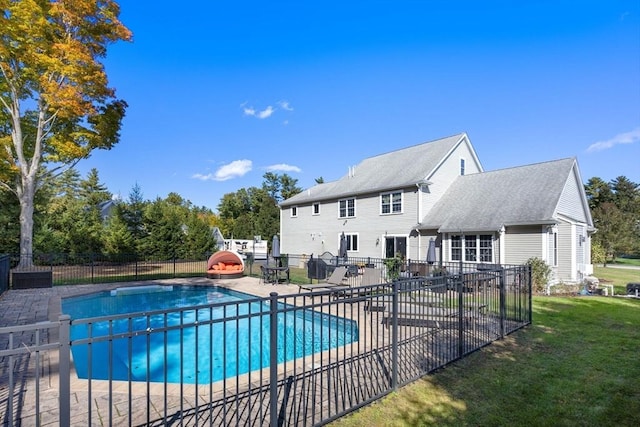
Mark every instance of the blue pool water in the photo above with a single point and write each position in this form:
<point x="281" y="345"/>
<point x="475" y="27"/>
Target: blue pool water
<point x="209" y="351"/>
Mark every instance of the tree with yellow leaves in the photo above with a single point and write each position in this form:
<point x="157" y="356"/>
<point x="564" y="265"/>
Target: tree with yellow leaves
<point x="55" y="102"/>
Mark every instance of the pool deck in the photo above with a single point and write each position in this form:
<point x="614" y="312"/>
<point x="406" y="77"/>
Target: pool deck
<point x="30" y="306"/>
<point x="318" y="388"/>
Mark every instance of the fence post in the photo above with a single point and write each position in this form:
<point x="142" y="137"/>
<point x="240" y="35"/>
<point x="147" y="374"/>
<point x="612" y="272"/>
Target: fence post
<point x="460" y="289"/>
<point x="273" y="359"/>
<point x="503" y="309"/>
<point x="394" y="337"/>
<point x="528" y="272"/>
<point x="64" y="370"/>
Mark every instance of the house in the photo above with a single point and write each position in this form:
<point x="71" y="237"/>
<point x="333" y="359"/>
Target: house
<point x="393" y="204"/>
<point x="219" y="238"/>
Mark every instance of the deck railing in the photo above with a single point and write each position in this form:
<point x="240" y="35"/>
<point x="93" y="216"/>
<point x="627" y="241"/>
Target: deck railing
<point x="397" y="332"/>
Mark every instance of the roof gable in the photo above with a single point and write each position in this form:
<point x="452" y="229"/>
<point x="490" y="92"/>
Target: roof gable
<point x="490" y="200"/>
<point x="395" y="169"/>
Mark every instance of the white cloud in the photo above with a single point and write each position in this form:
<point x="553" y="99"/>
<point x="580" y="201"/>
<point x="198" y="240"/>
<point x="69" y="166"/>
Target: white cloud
<point x="623" y="138"/>
<point x="285" y="105"/>
<point x="235" y="169"/>
<point x="248" y="110"/>
<point x="267" y="112"/>
<point x="283" y="167"/>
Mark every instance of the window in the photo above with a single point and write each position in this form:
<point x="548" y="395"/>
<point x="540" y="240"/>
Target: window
<point x="470" y="249"/>
<point x="347" y="208"/>
<point x="462" y="167"/>
<point x="352" y="242"/>
<point x="475" y="248"/>
<point x="294" y="211"/>
<point x="555" y="249"/>
<point x="316" y="209"/>
<point x="391" y="203"/>
<point x="486" y="248"/>
<point x="395" y="246"/>
<point x="456" y="248"/>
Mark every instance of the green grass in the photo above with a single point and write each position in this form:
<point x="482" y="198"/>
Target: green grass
<point x="628" y="261"/>
<point x="618" y="277"/>
<point x="576" y="365"/>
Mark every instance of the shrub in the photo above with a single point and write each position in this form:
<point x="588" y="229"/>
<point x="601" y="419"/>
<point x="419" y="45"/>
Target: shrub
<point x="393" y="267"/>
<point x="598" y="254"/>
<point x="540" y="273"/>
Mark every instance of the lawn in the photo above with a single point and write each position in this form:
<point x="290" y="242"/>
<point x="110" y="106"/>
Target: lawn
<point x="628" y="261"/>
<point x="576" y="365"/>
<point x="618" y="277"/>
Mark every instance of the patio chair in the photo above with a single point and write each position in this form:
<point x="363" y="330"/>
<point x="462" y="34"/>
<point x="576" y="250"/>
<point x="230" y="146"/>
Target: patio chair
<point x="336" y="279"/>
<point x="266" y="275"/>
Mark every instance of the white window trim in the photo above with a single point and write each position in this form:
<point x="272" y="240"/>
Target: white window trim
<point x="348" y="235"/>
<point x="463" y="248"/>
<point x="347" y="208"/>
<point x="294" y="211"/>
<point x="463" y="166"/>
<point x="313" y="208"/>
<point x="391" y="193"/>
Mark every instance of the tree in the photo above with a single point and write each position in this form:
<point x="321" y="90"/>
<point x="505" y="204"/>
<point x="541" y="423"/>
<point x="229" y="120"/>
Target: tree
<point x="615" y="207"/>
<point x="280" y="187"/>
<point x="55" y="103"/>
<point x="198" y="239"/>
<point x="289" y="187"/>
<point x="132" y="214"/>
<point x="615" y="232"/>
<point x="117" y="238"/>
<point x="598" y="192"/>
<point x="626" y="195"/>
<point x="254" y="211"/>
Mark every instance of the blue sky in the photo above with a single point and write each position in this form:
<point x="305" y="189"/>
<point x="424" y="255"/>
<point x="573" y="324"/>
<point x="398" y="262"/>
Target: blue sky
<point x="221" y="92"/>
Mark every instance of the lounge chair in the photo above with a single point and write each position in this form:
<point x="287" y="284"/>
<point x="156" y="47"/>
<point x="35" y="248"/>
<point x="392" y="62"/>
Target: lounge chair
<point x="336" y="279"/>
<point x="371" y="276"/>
<point x="414" y="314"/>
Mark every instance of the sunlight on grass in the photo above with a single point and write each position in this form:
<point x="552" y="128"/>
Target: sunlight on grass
<point x="577" y="364"/>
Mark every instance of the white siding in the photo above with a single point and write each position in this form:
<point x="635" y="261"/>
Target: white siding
<point x="571" y="201"/>
<point x="566" y="269"/>
<point x="444" y="175"/>
<point x="522" y="243"/>
<point x="308" y="233"/>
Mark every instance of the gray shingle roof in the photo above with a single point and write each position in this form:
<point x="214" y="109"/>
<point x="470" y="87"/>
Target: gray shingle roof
<point x="487" y="201"/>
<point x="396" y="169"/>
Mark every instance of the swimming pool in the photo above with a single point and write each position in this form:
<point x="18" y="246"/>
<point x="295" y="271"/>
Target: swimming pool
<point x="221" y="333"/>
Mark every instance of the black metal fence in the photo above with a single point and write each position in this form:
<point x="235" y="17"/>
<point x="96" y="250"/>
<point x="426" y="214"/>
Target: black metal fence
<point x="4" y="273"/>
<point x="70" y="269"/>
<point x="310" y="357"/>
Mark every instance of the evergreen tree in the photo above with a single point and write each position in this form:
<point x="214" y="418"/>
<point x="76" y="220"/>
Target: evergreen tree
<point x="198" y="238"/>
<point x="165" y="233"/>
<point x="132" y="214"/>
<point x="118" y="239"/>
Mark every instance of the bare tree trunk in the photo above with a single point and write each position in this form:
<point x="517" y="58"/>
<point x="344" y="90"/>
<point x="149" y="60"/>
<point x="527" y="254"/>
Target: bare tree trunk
<point x="26" y="196"/>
